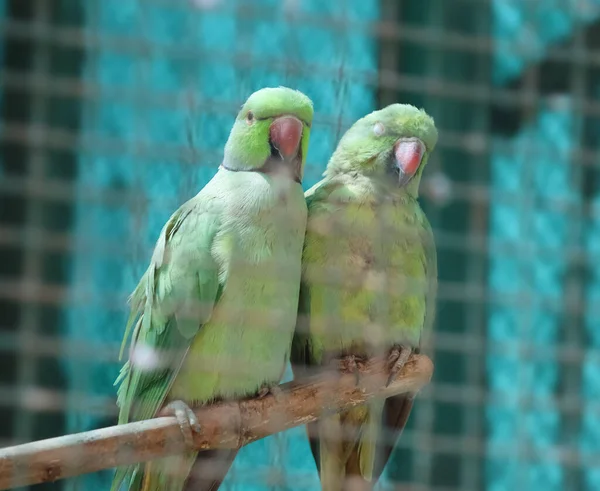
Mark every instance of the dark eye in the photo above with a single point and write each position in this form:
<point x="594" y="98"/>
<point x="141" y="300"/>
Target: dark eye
<point x="250" y="117"/>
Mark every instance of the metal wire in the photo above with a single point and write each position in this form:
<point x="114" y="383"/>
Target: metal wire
<point x="444" y="446"/>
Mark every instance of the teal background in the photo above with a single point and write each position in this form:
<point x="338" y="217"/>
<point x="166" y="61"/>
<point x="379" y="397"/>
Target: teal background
<point x="115" y="112"/>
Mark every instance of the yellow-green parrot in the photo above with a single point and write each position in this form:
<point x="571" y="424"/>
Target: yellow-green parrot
<point x="369" y="280"/>
<point x="215" y="312"/>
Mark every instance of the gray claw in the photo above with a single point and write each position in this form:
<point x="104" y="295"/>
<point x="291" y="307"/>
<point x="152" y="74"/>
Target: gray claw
<point x="398" y="357"/>
<point x="277" y="392"/>
<point x="274" y="390"/>
<point x="351" y="364"/>
<point x="186" y="418"/>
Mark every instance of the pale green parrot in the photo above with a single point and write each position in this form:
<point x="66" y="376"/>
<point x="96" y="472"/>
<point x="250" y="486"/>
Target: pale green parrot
<point x="215" y="312"/>
<point x="368" y="284"/>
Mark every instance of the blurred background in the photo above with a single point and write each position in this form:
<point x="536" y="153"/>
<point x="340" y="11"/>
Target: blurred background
<point x="113" y="112"/>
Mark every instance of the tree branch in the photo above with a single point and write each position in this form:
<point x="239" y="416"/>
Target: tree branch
<point x="227" y="425"/>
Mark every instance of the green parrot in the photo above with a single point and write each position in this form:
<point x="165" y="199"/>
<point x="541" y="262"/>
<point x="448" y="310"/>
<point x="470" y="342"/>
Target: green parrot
<point x="369" y="281"/>
<point x="215" y="312"/>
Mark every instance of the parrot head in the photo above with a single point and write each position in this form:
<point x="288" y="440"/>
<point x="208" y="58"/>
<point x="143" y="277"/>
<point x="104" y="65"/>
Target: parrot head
<point x="271" y="133"/>
<point x="391" y="145"/>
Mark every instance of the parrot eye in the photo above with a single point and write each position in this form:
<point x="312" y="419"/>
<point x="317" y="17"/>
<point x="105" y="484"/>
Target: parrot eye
<point x="250" y="117"/>
<point x="378" y="129"/>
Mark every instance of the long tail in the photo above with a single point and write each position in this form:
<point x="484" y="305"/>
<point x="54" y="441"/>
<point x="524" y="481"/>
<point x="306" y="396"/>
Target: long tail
<point x="347" y="448"/>
<point x="209" y="469"/>
<point x="396" y="412"/>
<point x="169" y="473"/>
<point x="192" y="471"/>
<point x="351" y="450"/>
<point x="331" y="451"/>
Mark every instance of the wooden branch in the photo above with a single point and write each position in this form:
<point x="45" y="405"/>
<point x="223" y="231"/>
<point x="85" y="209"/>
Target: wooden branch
<point x="227" y="425"/>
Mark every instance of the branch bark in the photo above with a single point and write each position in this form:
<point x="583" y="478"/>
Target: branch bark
<point x="227" y="425"/>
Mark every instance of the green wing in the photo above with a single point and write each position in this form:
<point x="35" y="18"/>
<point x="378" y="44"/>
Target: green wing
<point x="397" y="409"/>
<point x="432" y="281"/>
<point x="174" y="298"/>
<point x="301" y="352"/>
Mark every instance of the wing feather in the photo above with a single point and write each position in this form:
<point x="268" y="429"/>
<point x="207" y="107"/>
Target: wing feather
<point x="397" y="409"/>
<point x="173" y="299"/>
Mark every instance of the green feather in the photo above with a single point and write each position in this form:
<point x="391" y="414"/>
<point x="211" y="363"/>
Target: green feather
<point x="369" y="273"/>
<point x="248" y="145"/>
<point x="192" y="314"/>
<point x="166" y="289"/>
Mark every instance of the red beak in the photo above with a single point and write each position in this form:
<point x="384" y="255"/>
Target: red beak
<point x="286" y="133"/>
<point x="409" y="154"/>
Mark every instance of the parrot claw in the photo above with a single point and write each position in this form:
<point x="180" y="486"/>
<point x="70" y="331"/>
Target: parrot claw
<point x="398" y="357"/>
<point x="274" y="390"/>
<point x="186" y="418"/>
<point x="351" y="364"/>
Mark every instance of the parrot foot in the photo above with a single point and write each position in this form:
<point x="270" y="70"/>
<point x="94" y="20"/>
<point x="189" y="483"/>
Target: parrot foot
<point x="188" y="422"/>
<point x="398" y="357"/>
<point x="352" y="365"/>
<point x="274" y="390"/>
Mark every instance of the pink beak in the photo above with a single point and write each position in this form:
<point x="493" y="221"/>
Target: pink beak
<point x="409" y="154"/>
<point x="286" y="133"/>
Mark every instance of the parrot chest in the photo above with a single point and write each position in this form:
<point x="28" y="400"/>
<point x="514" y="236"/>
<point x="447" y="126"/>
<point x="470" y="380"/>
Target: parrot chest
<point x="247" y="340"/>
<point x="378" y="298"/>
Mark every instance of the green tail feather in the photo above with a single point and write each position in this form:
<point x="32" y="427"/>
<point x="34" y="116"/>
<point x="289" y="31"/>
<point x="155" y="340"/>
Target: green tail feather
<point x="129" y="473"/>
<point x="169" y="473"/>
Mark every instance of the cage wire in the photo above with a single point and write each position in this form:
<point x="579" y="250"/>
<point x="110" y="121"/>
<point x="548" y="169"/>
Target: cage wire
<point x="114" y="113"/>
